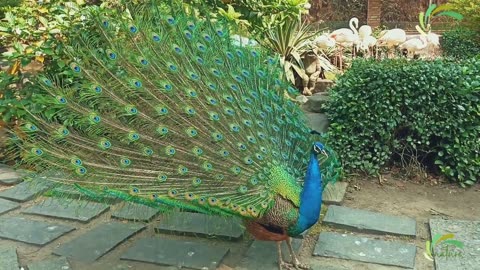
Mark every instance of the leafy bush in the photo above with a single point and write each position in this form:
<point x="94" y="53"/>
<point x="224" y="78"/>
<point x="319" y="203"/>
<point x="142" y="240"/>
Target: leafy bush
<point x="391" y="110"/>
<point x="461" y="43"/>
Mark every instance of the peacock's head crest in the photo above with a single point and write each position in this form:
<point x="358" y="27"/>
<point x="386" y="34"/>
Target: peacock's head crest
<point x="319" y="148"/>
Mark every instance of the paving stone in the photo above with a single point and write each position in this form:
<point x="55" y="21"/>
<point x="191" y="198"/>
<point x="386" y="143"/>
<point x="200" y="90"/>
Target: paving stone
<point x="8" y="258"/>
<point x="6" y="206"/>
<point x="31" y="231"/>
<point x="26" y="190"/>
<point x="180" y="253"/>
<point x="264" y="255"/>
<point x="9" y="177"/>
<point x="136" y="212"/>
<point x="67" y="209"/>
<point x="318" y="121"/>
<point x="315" y="102"/>
<point x="466" y="258"/>
<point x="98" y="241"/>
<point x="58" y="263"/>
<point x="365" y="249"/>
<point x="334" y="194"/>
<point x="201" y="225"/>
<point x="369" y="222"/>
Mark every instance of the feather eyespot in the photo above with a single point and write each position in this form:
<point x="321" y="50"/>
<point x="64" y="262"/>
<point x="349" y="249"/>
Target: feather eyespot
<point x="248" y="161"/>
<point x="171" y="20"/>
<point x="133" y="29"/>
<point x="191" y="132"/>
<point x="189" y="196"/>
<point x="207" y="166"/>
<point x="162" y="178"/>
<point x="31" y="127"/>
<point x="212" y="201"/>
<point x="75" y="67"/>
<point x="224" y="153"/>
<point x="76" y="161"/>
<point x="236" y="170"/>
<point x="37" y="151"/>
<point x="188" y="35"/>
<point x="97" y="89"/>
<point x="202" y="200"/>
<point x="169" y="150"/>
<point x="105" y="144"/>
<point x="217" y="136"/>
<point x="214" y="116"/>
<point x="182" y="169"/>
<point x="133" y="136"/>
<point x="196" y="182"/>
<point x="135" y="190"/>
<point x="125" y="162"/>
<point x="243" y="189"/>
<point x="172" y="193"/>
<point x="81" y="171"/>
<point x="156" y="37"/>
<point x="63" y="131"/>
<point x="197" y="151"/>
<point x="148" y="151"/>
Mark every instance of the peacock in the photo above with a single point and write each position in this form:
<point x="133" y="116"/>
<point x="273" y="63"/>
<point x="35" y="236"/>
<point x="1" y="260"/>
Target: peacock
<point x="160" y="108"/>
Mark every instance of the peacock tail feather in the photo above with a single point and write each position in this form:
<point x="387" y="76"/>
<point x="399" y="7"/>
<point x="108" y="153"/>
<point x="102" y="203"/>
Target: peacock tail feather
<point x="165" y="111"/>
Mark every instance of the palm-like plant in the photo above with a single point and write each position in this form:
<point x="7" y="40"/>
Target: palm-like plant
<point x="290" y="39"/>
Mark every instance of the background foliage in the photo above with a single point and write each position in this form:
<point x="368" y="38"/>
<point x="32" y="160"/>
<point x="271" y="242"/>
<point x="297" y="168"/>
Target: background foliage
<point x="395" y="111"/>
<point x="470" y="10"/>
<point x="461" y="42"/>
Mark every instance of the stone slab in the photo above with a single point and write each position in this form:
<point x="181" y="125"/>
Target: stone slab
<point x="25" y="191"/>
<point x="6" y="206"/>
<point x="97" y="242"/>
<point x="8" y="258"/>
<point x="9" y="176"/>
<point x="135" y="212"/>
<point x="31" y="231"/>
<point x="466" y="258"/>
<point x="264" y="255"/>
<point x="179" y="253"/>
<point x="334" y="194"/>
<point x="315" y="103"/>
<point x="369" y="222"/>
<point x="58" y="263"/>
<point x="201" y="225"/>
<point x="318" y="121"/>
<point x="77" y="210"/>
<point x="365" y="249"/>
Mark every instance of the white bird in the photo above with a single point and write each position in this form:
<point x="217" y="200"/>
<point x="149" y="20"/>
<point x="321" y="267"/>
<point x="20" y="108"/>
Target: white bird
<point x="364" y="31"/>
<point x="367" y="44"/>
<point x="392" y="38"/>
<point x="414" y="46"/>
<point x="324" y="42"/>
<point x="346" y="37"/>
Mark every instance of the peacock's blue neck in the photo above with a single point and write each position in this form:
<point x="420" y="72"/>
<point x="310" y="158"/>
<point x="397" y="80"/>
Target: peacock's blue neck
<point x="310" y="198"/>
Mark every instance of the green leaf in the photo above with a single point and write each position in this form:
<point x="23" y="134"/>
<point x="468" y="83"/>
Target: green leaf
<point x="452" y="14"/>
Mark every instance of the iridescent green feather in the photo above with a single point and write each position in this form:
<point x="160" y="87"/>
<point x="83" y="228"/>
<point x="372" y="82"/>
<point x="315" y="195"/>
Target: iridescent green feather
<point x="169" y="113"/>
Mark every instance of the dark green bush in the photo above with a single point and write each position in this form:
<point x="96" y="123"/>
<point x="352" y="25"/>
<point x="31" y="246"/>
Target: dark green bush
<point x="385" y="111"/>
<point x="461" y="43"/>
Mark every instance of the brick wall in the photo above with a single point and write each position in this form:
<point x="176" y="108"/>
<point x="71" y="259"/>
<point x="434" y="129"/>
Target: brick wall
<point x="374" y="12"/>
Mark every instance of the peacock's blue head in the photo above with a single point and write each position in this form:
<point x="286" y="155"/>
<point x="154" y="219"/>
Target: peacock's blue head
<point x="319" y="148"/>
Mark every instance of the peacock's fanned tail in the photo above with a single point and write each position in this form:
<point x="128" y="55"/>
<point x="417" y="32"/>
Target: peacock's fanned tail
<point x="165" y="111"/>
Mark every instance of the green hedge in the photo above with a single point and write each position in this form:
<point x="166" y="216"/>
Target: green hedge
<point x="461" y="43"/>
<point x="383" y="111"/>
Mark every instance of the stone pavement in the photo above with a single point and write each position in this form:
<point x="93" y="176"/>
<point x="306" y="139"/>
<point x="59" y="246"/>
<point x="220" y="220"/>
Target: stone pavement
<point x="48" y="233"/>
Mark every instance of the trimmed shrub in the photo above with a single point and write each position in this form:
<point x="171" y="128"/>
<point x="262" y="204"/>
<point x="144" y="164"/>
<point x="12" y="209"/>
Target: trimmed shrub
<point x="385" y="111"/>
<point x="461" y="43"/>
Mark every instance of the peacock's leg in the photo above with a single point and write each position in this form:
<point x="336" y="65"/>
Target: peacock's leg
<point x="295" y="261"/>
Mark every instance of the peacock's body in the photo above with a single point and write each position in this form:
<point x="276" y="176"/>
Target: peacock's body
<point x="163" y="110"/>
